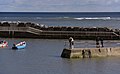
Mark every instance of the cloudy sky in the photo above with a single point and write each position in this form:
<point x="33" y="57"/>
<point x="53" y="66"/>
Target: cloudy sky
<point x="59" y="5"/>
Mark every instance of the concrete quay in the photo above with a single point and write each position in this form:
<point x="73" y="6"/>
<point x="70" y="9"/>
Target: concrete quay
<point x="90" y="52"/>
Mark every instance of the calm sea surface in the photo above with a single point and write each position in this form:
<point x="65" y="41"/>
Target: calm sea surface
<point x="82" y="19"/>
<point x="42" y="56"/>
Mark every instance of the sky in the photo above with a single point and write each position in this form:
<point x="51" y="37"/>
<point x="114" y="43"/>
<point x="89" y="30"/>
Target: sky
<point x="59" y="5"/>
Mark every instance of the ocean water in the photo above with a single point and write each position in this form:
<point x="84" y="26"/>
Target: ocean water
<point x="82" y="19"/>
<point x="42" y="56"/>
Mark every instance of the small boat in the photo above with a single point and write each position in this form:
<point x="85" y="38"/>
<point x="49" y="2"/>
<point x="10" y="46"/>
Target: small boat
<point x="20" y="45"/>
<point x="3" y="44"/>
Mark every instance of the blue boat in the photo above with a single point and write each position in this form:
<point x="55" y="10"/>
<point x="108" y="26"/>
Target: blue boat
<point x="20" y="45"/>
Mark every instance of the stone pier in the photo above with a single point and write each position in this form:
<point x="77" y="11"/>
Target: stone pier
<point x="19" y="29"/>
<point x="90" y="52"/>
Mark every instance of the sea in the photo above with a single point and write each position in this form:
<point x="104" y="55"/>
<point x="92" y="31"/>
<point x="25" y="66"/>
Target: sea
<point x="42" y="56"/>
<point x="81" y="19"/>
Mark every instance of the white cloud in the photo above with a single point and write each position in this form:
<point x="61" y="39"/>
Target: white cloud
<point x="60" y="5"/>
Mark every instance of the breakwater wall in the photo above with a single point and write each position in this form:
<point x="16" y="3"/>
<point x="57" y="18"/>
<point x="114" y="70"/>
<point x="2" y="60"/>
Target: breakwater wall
<point x="90" y="52"/>
<point x="34" y="30"/>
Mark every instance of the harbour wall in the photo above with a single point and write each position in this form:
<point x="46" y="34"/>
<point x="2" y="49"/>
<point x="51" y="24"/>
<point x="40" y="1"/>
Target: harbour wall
<point x="34" y="30"/>
<point x="90" y="52"/>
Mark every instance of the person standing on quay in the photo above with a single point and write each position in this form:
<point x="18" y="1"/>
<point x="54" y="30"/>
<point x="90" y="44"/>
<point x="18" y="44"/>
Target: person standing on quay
<point x="97" y="43"/>
<point x="71" y="43"/>
<point x="101" y="42"/>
